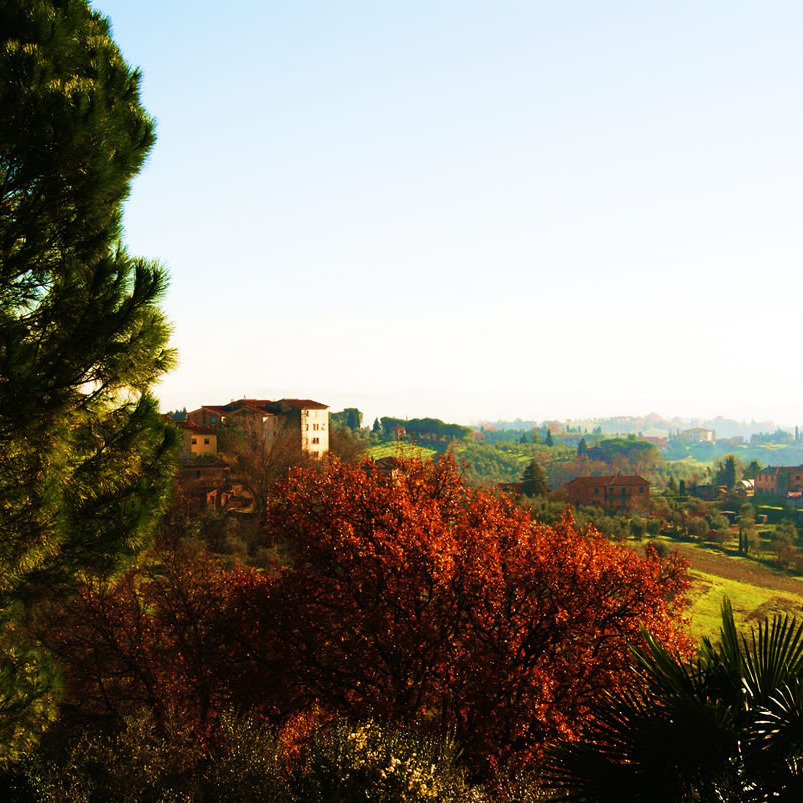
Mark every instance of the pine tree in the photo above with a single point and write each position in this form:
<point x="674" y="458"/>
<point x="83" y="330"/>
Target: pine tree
<point x="582" y="448"/>
<point x="549" y="441"/>
<point x="85" y="458"/>
<point x="534" y="480"/>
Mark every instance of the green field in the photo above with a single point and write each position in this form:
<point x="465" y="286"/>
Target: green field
<point x="397" y="449"/>
<point x="751" y="602"/>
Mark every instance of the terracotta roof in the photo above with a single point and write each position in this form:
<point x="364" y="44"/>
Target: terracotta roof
<point x="197" y="429"/>
<point x="774" y="470"/>
<point x="303" y="404"/>
<point x="235" y="404"/>
<point x="248" y="408"/>
<point x="263" y="405"/>
<point x="599" y="482"/>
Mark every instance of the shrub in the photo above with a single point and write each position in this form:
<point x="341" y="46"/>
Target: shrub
<point x="386" y="764"/>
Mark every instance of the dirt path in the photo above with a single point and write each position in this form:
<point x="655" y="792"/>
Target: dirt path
<point x="733" y="568"/>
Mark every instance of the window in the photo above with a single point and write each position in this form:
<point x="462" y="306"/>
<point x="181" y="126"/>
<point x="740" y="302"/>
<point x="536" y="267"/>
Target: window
<point x="624" y="491"/>
<point x="212" y="419"/>
<point x="197" y="475"/>
<point x="306" y="427"/>
<point x="194" y="441"/>
<point x="596" y="491"/>
<point x="206" y="441"/>
<point x="641" y="489"/>
<point x="316" y="440"/>
<point x="315" y="427"/>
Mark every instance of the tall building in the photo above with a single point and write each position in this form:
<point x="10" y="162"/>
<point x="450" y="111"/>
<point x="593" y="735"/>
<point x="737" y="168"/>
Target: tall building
<point x="303" y="420"/>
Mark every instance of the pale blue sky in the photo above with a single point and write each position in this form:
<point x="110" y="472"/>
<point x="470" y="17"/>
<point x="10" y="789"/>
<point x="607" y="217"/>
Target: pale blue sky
<point x="477" y="210"/>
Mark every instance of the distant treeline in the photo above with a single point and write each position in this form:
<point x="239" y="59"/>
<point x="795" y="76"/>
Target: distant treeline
<point x="431" y="428"/>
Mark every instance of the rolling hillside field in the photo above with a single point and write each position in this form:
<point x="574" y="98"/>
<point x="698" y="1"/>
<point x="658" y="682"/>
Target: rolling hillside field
<point x="754" y="590"/>
<point x="396" y="449"/>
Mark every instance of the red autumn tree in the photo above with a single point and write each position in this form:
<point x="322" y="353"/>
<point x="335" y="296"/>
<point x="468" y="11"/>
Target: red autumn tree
<point x="413" y="597"/>
<point x="160" y="637"/>
<point x="410" y="598"/>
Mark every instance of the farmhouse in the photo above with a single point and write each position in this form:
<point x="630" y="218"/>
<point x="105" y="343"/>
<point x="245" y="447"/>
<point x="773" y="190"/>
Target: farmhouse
<point x="779" y="480"/>
<point x="621" y="492"/>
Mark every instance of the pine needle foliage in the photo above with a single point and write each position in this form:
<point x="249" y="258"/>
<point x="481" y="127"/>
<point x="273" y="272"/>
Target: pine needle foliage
<point x="85" y="459"/>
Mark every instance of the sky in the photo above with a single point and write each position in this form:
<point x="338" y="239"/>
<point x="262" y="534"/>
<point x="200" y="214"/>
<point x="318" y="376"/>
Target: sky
<point x="476" y="211"/>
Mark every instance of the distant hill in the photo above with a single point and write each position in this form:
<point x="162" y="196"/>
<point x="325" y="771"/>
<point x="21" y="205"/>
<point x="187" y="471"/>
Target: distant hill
<point x="652" y="424"/>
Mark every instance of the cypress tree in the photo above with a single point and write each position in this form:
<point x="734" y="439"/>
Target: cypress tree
<point x="85" y="458"/>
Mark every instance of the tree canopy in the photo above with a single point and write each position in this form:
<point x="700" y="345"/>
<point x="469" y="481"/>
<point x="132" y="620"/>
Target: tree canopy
<point x="728" y="471"/>
<point x="349" y="418"/>
<point x="425" y="428"/>
<point x="411" y="598"/>
<point x="84" y="456"/>
<point x="534" y="480"/>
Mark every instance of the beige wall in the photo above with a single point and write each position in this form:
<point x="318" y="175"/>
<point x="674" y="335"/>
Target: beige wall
<point x="196" y="444"/>
<point x="315" y="432"/>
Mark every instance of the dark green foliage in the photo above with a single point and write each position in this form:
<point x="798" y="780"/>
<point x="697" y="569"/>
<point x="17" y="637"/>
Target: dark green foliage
<point x="435" y="428"/>
<point x="779" y="436"/>
<point x="350" y="418"/>
<point x="85" y="459"/>
<point x="726" y="726"/>
<point x="728" y="471"/>
<point x="485" y="463"/>
<point x="582" y="448"/>
<point x="549" y="441"/>
<point x="347" y="444"/>
<point x="640" y="455"/>
<point x="29" y="687"/>
<point x="390" y="425"/>
<point x="748" y="534"/>
<point x="82" y="338"/>
<point x="534" y="480"/>
<point x="752" y="470"/>
<point x="427" y="428"/>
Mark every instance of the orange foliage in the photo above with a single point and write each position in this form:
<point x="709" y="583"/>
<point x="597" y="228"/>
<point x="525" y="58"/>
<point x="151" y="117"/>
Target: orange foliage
<point x="411" y="598"/>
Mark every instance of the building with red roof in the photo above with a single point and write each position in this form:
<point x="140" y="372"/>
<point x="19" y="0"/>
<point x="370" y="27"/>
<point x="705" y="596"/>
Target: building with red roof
<point x="620" y="492"/>
<point x="304" y="419"/>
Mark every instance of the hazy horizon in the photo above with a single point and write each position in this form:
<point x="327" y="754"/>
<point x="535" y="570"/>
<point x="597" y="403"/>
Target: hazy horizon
<point x="372" y="408"/>
<point x="536" y="210"/>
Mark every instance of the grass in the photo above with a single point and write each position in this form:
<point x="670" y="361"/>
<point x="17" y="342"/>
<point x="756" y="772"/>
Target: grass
<point x="396" y="449"/>
<point x="751" y="603"/>
<point x="691" y="461"/>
